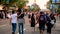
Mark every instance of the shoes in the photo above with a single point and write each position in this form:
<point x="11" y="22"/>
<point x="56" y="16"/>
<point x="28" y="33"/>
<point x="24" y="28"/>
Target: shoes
<point x="13" y="32"/>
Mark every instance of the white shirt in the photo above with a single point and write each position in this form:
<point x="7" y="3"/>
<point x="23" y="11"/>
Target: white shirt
<point x="8" y="15"/>
<point x="14" y="18"/>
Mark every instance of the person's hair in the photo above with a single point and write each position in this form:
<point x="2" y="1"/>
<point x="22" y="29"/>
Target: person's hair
<point x="13" y="12"/>
<point x="41" y="12"/>
<point x="32" y="16"/>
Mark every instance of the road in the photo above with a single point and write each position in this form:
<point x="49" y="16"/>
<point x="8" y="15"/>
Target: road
<point x="5" y="28"/>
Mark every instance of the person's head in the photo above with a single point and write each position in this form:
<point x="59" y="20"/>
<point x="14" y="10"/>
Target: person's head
<point x="13" y="12"/>
<point x="41" y="12"/>
<point x="32" y="14"/>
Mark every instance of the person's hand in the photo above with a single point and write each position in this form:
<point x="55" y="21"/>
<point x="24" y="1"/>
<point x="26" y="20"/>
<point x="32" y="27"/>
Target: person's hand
<point x="10" y="23"/>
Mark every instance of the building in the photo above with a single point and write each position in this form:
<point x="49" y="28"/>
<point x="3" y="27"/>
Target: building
<point x="54" y="5"/>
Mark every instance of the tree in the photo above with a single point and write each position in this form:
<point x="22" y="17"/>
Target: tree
<point x="34" y="7"/>
<point x="48" y="4"/>
<point x="20" y="3"/>
<point x="58" y="11"/>
<point x="2" y="2"/>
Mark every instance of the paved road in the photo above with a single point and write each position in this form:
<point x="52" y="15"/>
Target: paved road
<point x="5" y="28"/>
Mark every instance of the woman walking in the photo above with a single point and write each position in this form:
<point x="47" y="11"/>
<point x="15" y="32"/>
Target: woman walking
<point x="50" y="22"/>
<point x="33" y="21"/>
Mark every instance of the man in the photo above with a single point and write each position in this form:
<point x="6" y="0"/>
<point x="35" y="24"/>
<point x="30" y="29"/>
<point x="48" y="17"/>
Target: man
<point x="42" y="22"/>
<point x="13" y="20"/>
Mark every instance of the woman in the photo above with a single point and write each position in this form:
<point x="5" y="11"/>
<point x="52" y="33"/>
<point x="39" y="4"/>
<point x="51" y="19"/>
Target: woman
<point x="33" y="21"/>
<point x="50" y="23"/>
<point x="21" y="21"/>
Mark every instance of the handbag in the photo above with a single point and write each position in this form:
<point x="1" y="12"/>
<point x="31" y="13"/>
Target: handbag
<point x="52" y="21"/>
<point x="37" y="25"/>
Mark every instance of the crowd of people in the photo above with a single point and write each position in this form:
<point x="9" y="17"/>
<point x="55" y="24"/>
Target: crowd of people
<point x="40" y="17"/>
<point x="43" y="19"/>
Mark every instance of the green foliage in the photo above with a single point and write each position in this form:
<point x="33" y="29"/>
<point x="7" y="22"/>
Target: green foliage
<point x="19" y="3"/>
<point x="2" y="2"/>
<point x="35" y="7"/>
<point x="58" y="10"/>
<point x="48" y="4"/>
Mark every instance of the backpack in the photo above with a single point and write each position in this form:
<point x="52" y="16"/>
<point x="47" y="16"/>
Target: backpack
<point x="42" y="18"/>
<point x="47" y="18"/>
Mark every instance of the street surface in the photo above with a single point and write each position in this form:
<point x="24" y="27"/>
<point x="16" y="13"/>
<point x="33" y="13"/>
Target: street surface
<point x="5" y="27"/>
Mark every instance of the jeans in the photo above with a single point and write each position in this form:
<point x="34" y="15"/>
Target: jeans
<point x="21" y="29"/>
<point x="13" y="27"/>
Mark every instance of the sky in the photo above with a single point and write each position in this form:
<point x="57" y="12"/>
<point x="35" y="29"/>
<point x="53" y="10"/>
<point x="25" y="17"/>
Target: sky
<point x="41" y="3"/>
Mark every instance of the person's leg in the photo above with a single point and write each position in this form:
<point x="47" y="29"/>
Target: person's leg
<point x="47" y="28"/>
<point x="41" y="31"/>
<point x="22" y="28"/>
<point x="34" y="29"/>
<point x="13" y="28"/>
<point x="19" y="28"/>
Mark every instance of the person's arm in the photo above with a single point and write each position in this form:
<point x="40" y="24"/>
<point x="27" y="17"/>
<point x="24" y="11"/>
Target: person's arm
<point x="24" y="20"/>
<point x="54" y="19"/>
<point x="10" y="20"/>
<point x="17" y="17"/>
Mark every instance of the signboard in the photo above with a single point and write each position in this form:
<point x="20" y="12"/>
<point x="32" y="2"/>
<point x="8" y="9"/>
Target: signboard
<point x="51" y="6"/>
<point x="55" y="1"/>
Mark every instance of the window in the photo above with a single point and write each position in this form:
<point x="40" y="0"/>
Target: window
<point x="57" y="1"/>
<point x="53" y="1"/>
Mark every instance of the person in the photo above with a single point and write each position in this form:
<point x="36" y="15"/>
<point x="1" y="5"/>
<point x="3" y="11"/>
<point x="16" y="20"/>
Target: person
<point x="29" y="15"/>
<point x="13" y="20"/>
<point x="21" y="21"/>
<point x="41" y="22"/>
<point x="1" y="16"/>
<point x="52" y="18"/>
<point x="33" y="21"/>
<point x="8" y="15"/>
<point x="48" y="24"/>
<point x="51" y="23"/>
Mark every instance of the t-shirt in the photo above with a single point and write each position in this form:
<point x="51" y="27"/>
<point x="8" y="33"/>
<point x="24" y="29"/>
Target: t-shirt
<point x="14" y="18"/>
